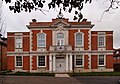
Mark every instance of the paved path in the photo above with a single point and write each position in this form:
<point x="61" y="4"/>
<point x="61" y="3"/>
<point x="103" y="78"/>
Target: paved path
<point x="62" y="75"/>
<point x="61" y="80"/>
<point x="40" y="80"/>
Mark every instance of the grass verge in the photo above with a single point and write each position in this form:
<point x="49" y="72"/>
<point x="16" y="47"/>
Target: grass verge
<point x="28" y="74"/>
<point x="95" y="74"/>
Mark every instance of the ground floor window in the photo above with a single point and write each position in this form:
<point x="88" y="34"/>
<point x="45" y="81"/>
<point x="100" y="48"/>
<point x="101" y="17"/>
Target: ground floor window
<point x="79" y="60"/>
<point x="101" y="60"/>
<point x="18" y="61"/>
<point x="41" y="61"/>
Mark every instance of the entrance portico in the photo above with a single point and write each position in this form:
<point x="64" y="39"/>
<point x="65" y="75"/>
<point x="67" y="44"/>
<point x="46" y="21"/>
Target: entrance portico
<point x="60" y="63"/>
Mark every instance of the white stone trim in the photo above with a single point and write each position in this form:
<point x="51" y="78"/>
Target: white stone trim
<point x="89" y="39"/>
<point x="66" y="62"/>
<point x="31" y="40"/>
<point x="66" y="37"/>
<point x="104" y="70"/>
<point x="53" y="37"/>
<point x="71" y="62"/>
<point x="60" y="21"/>
<point x="31" y="62"/>
<point x="50" y="63"/>
<point x="89" y="61"/>
<point x="18" y="34"/>
<point x="52" y="28"/>
<point x="41" y="31"/>
<point x="54" y="63"/>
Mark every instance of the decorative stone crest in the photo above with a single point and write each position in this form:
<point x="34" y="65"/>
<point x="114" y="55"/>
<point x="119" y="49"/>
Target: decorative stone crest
<point x="60" y="15"/>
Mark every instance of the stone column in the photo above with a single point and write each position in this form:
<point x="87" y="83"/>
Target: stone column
<point x="54" y="63"/>
<point x="50" y="63"/>
<point x="67" y="62"/>
<point x="71" y="62"/>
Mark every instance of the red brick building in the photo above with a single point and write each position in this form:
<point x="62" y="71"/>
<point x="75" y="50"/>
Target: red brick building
<point x="116" y="56"/>
<point x="60" y="46"/>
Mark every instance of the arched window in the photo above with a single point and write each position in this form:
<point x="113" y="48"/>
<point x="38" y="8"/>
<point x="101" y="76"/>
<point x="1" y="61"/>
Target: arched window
<point x="41" y="40"/>
<point x="79" y="39"/>
<point x="60" y="39"/>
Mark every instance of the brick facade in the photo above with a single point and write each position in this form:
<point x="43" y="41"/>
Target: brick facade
<point x="60" y="58"/>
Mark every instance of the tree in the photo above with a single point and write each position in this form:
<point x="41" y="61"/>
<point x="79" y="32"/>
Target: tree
<point x="66" y="5"/>
<point x="2" y="21"/>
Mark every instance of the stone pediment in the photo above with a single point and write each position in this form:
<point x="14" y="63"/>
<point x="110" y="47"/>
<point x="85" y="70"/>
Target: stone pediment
<point x="61" y="25"/>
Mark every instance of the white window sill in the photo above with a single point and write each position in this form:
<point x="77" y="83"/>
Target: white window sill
<point x="41" y="66"/>
<point x="101" y="65"/>
<point x="81" y="66"/>
<point x="79" y="46"/>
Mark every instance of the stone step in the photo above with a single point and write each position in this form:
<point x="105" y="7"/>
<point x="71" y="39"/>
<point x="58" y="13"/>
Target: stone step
<point x="62" y="75"/>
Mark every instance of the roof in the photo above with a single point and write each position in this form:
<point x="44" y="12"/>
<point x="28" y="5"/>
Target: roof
<point x="62" y="20"/>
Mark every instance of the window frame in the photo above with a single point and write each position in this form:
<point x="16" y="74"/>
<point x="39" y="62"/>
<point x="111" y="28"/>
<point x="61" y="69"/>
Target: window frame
<point x="101" y="41"/>
<point x="61" y="40"/>
<point x="16" y="61"/>
<point x="82" y="61"/>
<point x="39" y="39"/>
<point x="99" y="60"/>
<point x="82" y="44"/>
<point x="16" y="42"/>
<point x="38" y="60"/>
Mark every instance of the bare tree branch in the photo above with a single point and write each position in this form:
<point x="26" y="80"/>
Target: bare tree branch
<point x="2" y="21"/>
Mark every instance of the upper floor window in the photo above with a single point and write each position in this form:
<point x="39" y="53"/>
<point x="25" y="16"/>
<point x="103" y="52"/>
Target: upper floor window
<point x="18" y="61"/>
<point x="101" y="60"/>
<point x="60" y="39"/>
<point x="79" y="60"/>
<point x="101" y="40"/>
<point x="79" y="39"/>
<point x="41" y="39"/>
<point x="18" y="42"/>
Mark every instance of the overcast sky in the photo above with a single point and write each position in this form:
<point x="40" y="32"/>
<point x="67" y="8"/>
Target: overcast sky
<point x="17" y="22"/>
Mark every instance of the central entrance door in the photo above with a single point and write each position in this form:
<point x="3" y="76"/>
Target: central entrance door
<point x="60" y="64"/>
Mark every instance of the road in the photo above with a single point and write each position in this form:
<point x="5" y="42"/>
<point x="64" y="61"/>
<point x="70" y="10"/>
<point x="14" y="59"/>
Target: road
<point x="61" y="80"/>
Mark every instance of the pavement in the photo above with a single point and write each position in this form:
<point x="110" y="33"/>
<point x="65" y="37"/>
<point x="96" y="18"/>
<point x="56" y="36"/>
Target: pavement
<point x="39" y="80"/>
<point x="61" y="80"/>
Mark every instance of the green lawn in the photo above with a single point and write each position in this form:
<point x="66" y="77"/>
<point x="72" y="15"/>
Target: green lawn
<point x="28" y="74"/>
<point x="53" y="74"/>
<point x="95" y="74"/>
